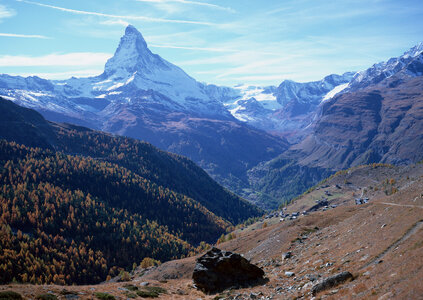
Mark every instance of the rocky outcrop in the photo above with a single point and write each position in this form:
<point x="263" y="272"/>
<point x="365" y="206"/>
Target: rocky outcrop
<point x="286" y="255"/>
<point x="218" y="270"/>
<point x="331" y="282"/>
<point x="378" y="124"/>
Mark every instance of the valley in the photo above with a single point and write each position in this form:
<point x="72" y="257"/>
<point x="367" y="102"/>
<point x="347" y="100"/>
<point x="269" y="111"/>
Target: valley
<point x="266" y="144"/>
<point x="133" y="183"/>
<point x="80" y="192"/>
<point x="378" y="242"/>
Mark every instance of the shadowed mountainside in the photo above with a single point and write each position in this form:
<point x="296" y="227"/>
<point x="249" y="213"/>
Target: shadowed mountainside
<point x="382" y="123"/>
<point x="87" y="190"/>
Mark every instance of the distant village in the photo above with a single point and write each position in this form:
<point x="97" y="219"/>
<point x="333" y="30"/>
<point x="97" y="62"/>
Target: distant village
<point x="321" y="204"/>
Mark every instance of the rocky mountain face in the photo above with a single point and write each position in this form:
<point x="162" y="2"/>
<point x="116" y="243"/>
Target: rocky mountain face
<point x="285" y="110"/>
<point x="381" y="122"/>
<point x="132" y="75"/>
<point x="290" y="108"/>
<point x="143" y="96"/>
<point x="408" y="65"/>
<point x="239" y="135"/>
<point x="377" y="119"/>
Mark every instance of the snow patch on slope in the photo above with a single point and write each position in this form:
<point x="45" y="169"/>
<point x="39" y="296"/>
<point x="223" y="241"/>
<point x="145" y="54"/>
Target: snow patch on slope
<point x="115" y="86"/>
<point x="261" y="94"/>
<point x="8" y="98"/>
<point x="335" y="91"/>
<point x="237" y="113"/>
<point x="386" y="69"/>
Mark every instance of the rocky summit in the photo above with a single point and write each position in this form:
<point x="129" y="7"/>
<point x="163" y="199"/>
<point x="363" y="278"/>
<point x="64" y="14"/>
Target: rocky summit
<point x="218" y="270"/>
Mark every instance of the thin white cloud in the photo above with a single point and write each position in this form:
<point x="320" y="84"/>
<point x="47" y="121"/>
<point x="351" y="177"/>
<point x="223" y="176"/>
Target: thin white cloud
<point x="115" y="22"/>
<point x="269" y="66"/>
<point x="31" y="36"/>
<point x="262" y="78"/>
<point x="51" y="60"/>
<point x="243" y="58"/>
<point x="190" y="3"/>
<point x="139" y="18"/>
<point x="62" y="75"/>
<point x="193" y="48"/>
<point x="194" y="37"/>
<point x="211" y="49"/>
<point x="6" y="12"/>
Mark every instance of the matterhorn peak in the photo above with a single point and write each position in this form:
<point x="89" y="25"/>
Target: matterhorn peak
<point x="131" y="29"/>
<point x="132" y="55"/>
<point x="133" y="35"/>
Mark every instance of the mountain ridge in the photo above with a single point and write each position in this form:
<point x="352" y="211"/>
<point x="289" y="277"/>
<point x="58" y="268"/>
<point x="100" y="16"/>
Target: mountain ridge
<point x="378" y="124"/>
<point x="233" y="133"/>
<point x="143" y="96"/>
<point x="164" y="169"/>
<point x="87" y="190"/>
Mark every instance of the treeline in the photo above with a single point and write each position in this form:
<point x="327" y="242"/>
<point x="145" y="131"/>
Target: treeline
<point x="169" y="170"/>
<point x="68" y="219"/>
<point x="78" y="205"/>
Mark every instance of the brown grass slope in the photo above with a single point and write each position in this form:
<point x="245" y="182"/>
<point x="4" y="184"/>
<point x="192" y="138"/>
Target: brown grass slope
<point x="380" y="243"/>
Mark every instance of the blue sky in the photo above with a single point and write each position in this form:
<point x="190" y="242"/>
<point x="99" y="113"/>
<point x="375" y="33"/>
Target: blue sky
<point x="216" y="41"/>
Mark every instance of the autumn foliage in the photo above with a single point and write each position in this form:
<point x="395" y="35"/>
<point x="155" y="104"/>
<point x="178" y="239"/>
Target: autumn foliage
<point x="68" y="219"/>
<point x="79" y="206"/>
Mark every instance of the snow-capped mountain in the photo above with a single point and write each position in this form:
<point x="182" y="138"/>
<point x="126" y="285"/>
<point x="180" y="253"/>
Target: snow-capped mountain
<point x="132" y="69"/>
<point x="226" y="130"/>
<point x="380" y="122"/>
<point x="310" y="92"/>
<point x="250" y="104"/>
<point x="284" y="109"/>
<point x="410" y="64"/>
<point x="135" y="77"/>
<point x="135" y="66"/>
<point x="292" y="106"/>
<point x="141" y="95"/>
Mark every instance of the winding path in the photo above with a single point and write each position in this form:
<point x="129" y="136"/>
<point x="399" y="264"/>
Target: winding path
<point x="396" y="204"/>
<point x="412" y="230"/>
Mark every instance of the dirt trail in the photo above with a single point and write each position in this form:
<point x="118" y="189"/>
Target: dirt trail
<point x="409" y="233"/>
<point x="402" y="205"/>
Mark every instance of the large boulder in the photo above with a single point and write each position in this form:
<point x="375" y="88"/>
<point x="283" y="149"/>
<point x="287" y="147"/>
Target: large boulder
<point x="331" y="282"/>
<point x="218" y="270"/>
